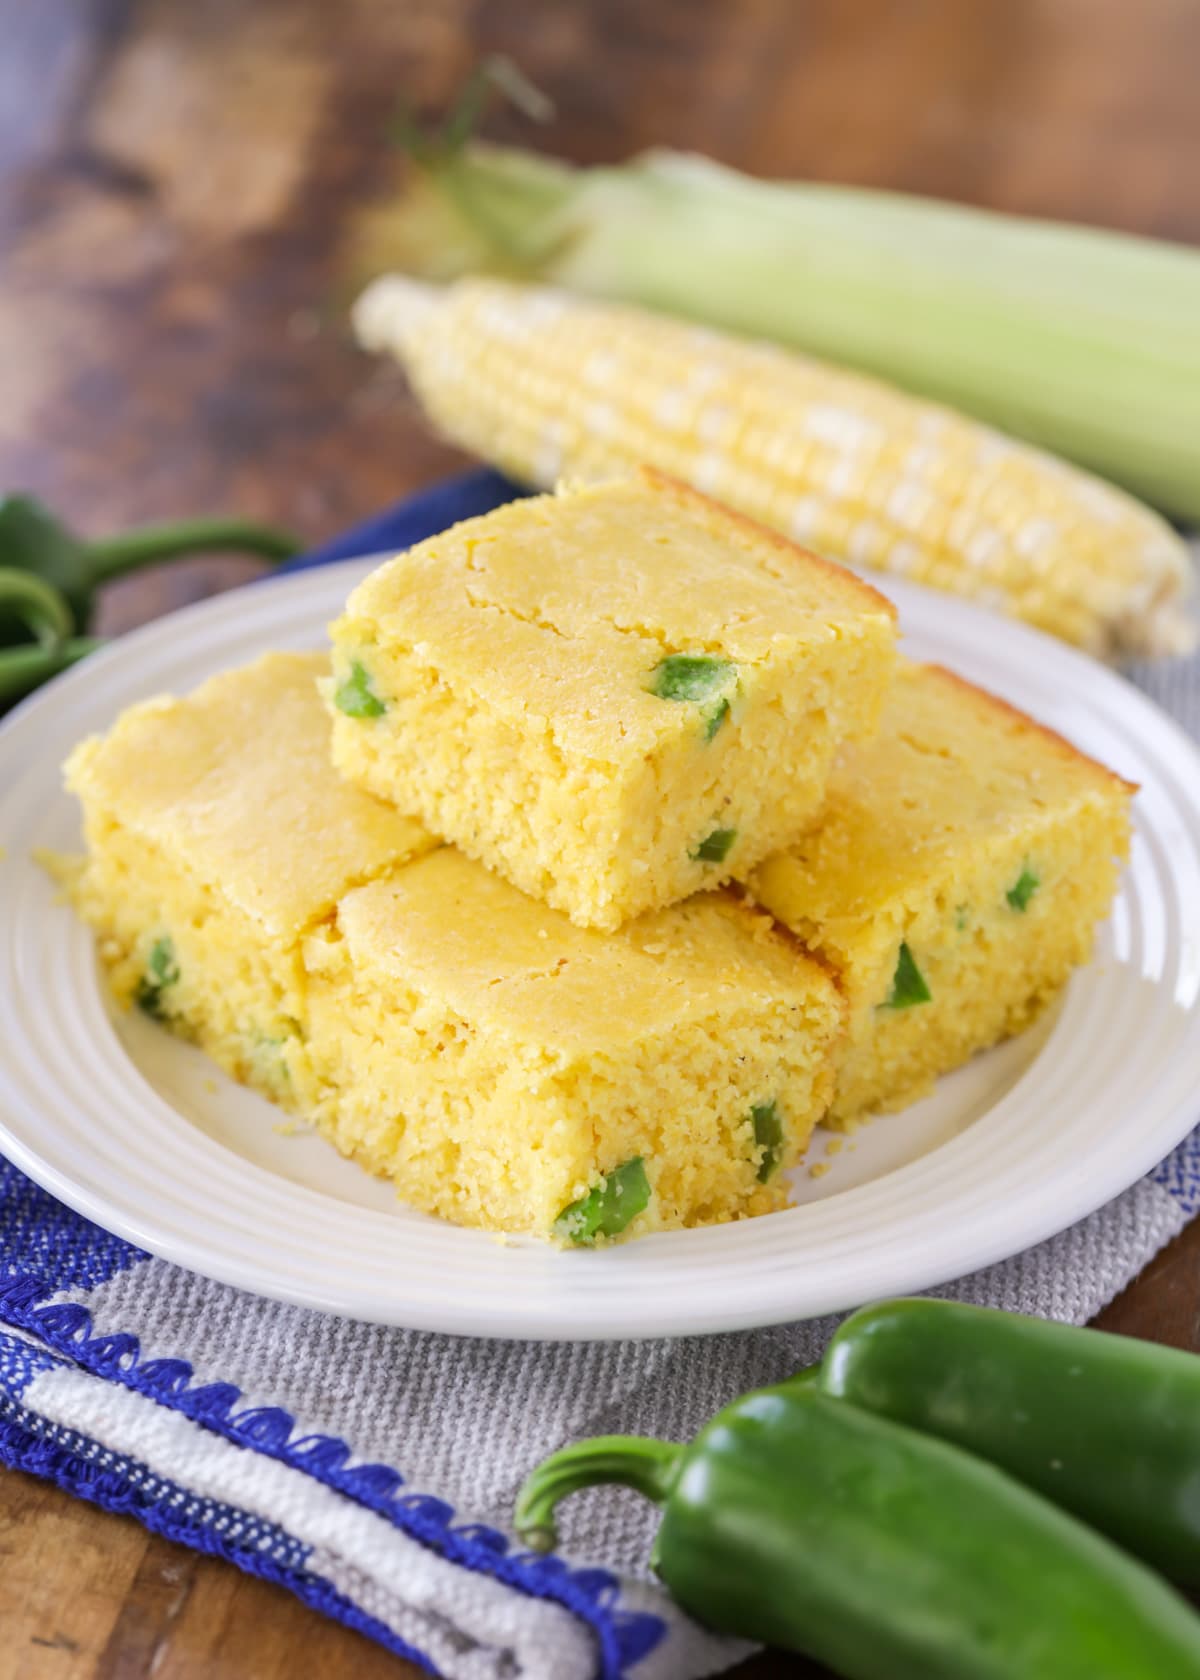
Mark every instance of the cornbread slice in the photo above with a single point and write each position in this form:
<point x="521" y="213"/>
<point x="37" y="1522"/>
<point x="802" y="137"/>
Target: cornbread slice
<point x="503" y="1067"/>
<point x="218" y="835"/>
<point x="598" y="693"/>
<point x="959" y="870"/>
<point x="511" y="1070"/>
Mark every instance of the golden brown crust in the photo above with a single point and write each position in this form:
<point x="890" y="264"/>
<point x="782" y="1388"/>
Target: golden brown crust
<point x="1030" y="725"/>
<point x="739" y="894"/>
<point x="698" y="502"/>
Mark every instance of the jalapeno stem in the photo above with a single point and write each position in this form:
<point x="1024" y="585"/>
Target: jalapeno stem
<point x="37" y="603"/>
<point x="23" y="668"/>
<point x="634" y="1460"/>
<point x="113" y="556"/>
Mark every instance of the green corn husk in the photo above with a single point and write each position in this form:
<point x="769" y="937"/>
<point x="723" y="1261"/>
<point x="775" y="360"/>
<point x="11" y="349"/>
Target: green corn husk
<point x="1083" y="341"/>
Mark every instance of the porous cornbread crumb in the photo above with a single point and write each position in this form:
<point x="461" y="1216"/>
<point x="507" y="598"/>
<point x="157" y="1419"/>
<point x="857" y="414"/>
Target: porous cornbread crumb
<point x="502" y="1066"/>
<point x="596" y="693"/>
<point x="218" y="835"/>
<point x="501" y="1063"/>
<point x="956" y="877"/>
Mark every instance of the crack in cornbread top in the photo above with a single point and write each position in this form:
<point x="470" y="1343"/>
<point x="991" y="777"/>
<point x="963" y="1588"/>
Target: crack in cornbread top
<point x="559" y="608"/>
<point x="952" y="769"/>
<point x="234" y="783"/>
<point x="450" y="929"/>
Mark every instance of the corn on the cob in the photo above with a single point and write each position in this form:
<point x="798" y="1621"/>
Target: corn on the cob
<point x="545" y="384"/>
<point x="1077" y="340"/>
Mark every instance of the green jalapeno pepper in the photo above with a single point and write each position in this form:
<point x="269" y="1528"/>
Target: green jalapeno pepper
<point x="812" y="1525"/>
<point x="49" y="579"/>
<point x="1107" y="1427"/>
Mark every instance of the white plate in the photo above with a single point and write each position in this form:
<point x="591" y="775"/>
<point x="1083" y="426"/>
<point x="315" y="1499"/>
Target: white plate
<point x="144" y="1136"/>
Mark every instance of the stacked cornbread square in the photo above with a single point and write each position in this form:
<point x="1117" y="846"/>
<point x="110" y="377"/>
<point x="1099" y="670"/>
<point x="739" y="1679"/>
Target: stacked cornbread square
<point x="962" y="862"/>
<point x="615" y="696"/>
<point x="509" y="1069"/>
<point x="218" y="838"/>
<point x="452" y="911"/>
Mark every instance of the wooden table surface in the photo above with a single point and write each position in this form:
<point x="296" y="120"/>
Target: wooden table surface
<point x="179" y="182"/>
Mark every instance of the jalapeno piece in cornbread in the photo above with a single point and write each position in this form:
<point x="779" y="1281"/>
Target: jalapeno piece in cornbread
<point x="956" y="877"/>
<point x="613" y="696"/>
<point x="511" y="1070"/>
<point x="218" y="835"/>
